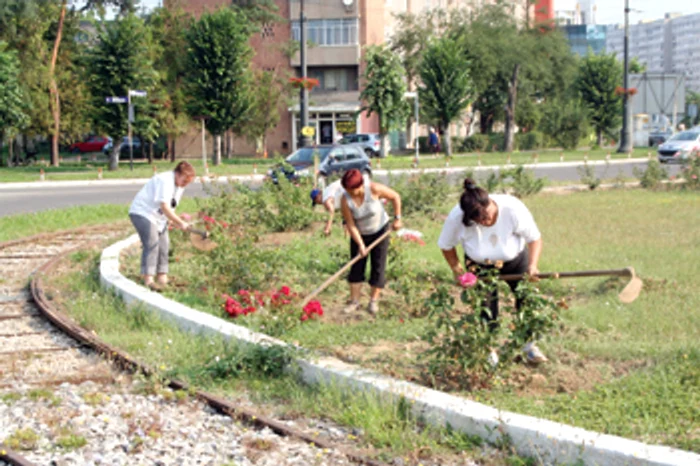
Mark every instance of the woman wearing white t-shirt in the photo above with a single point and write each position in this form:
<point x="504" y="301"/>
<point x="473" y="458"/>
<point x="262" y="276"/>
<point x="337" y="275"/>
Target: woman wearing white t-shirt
<point x="150" y="211"/>
<point x="493" y="229"/>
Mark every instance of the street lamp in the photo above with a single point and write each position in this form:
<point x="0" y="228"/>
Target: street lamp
<point x="626" y="135"/>
<point x="303" y="91"/>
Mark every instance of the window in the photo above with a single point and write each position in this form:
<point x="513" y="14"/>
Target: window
<point x="335" y="79"/>
<point x="328" y="32"/>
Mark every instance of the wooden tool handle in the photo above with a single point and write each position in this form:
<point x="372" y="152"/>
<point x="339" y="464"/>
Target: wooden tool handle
<point x="626" y="272"/>
<point x="335" y="276"/>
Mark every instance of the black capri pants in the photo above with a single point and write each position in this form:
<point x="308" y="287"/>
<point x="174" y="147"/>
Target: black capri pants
<point x="378" y="255"/>
<point x="515" y="266"/>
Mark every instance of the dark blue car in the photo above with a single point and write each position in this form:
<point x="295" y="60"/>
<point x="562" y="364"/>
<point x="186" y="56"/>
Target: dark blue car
<point x="333" y="159"/>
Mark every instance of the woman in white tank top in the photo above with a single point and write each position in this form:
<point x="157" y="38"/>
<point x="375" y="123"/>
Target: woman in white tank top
<point x="367" y="220"/>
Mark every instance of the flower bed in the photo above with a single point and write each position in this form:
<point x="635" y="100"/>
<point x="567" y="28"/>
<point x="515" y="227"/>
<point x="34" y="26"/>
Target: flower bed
<point x="601" y="351"/>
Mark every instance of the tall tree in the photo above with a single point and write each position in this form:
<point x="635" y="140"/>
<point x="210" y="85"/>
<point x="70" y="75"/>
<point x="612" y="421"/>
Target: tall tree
<point x="384" y="89"/>
<point x="598" y="81"/>
<point x="55" y="99"/>
<point x="12" y="103"/>
<point x="119" y="62"/>
<point x="447" y="88"/>
<point x="218" y="72"/>
<point x="169" y="29"/>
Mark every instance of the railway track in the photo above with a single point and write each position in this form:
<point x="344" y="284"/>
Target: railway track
<point x="67" y="398"/>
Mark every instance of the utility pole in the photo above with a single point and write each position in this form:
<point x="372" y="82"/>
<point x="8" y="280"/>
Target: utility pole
<point x="303" y="92"/>
<point x="626" y="135"/>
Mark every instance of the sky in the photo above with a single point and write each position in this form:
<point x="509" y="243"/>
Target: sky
<point x="609" y="11"/>
<point x="613" y="11"/>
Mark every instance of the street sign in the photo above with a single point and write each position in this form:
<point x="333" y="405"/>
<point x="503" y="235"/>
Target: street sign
<point x="135" y="93"/>
<point x="116" y="100"/>
<point x="308" y="131"/>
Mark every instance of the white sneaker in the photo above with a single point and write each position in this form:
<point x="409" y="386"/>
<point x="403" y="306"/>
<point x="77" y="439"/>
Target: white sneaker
<point x="533" y="354"/>
<point x="493" y="358"/>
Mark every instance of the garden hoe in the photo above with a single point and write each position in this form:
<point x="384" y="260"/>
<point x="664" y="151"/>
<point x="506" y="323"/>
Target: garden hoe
<point x="628" y="294"/>
<point x="201" y="240"/>
<point x="335" y="276"/>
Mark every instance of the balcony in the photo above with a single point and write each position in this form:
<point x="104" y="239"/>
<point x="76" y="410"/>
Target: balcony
<point x="339" y="55"/>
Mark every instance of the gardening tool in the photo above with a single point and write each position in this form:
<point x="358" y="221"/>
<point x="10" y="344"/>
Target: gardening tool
<point x="335" y="276"/>
<point x="628" y="294"/>
<point x="201" y="239"/>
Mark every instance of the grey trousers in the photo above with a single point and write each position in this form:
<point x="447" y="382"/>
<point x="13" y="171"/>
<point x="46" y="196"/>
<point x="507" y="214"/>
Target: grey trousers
<point x="154" y="258"/>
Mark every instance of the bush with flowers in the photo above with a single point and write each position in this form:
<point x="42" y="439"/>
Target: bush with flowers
<point x="691" y="172"/>
<point x="461" y="341"/>
<point x="277" y="312"/>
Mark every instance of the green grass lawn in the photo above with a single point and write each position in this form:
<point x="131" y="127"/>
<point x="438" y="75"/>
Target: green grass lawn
<point x="629" y="370"/>
<point x="87" y="170"/>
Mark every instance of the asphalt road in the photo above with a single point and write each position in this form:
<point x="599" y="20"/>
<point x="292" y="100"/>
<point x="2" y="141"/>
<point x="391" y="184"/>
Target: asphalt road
<point x="25" y="200"/>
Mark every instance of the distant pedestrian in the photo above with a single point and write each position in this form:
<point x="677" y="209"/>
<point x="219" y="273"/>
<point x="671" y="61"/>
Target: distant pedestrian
<point x="434" y="141"/>
<point x="150" y="211"/>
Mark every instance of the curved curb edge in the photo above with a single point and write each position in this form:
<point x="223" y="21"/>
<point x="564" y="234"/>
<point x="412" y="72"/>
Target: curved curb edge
<point x="550" y="442"/>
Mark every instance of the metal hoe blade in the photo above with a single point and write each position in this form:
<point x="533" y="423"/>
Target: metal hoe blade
<point x="631" y="292"/>
<point x="201" y="240"/>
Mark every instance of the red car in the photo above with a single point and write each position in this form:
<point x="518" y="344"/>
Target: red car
<point x="91" y="144"/>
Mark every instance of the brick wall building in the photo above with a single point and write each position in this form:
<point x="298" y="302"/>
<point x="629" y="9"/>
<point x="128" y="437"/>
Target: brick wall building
<point x="340" y="29"/>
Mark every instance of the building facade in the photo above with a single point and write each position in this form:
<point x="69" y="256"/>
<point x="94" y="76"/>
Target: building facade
<point x="585" y="38"/>
<point x="339" y="31"/>
<point x="670" y="45"/>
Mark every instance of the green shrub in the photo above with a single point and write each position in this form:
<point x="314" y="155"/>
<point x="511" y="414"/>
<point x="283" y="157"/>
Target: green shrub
<point x="517" y="181"/>
<point x="691" y="172"/>
<point x="423" y="146"/>
<point x="588" y="176"/>
<point x="475" y="143"/>
<point x="652" y="176"/>
<point x="422" y="194"/>
<point x="529" y="141"/>
<point x="460" y="340"/>
<point x="457" y="144"/>
<point x="565" y="122"/>
<point x="496" y="141"/>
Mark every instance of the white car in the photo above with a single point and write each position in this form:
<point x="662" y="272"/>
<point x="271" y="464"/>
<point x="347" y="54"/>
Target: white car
<point x="681" y="147"/>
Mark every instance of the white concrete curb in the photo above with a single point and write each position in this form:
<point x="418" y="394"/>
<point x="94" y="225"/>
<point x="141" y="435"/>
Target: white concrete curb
<point x="549" y="442"/>
<point x="260" y="177"/>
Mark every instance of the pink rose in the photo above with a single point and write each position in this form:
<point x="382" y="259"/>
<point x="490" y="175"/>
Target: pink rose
<point x="186" y="217"/>
<point x="695" y="177"/>
<point x="467" y="280"/>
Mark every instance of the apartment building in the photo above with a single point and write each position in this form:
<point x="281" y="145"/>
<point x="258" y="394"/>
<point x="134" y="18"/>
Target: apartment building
<point x="339" y="31"/>
<point x="670" y="45"/>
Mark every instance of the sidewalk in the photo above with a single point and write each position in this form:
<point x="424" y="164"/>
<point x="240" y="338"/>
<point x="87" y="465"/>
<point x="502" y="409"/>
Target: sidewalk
<point x="259" y="177"/>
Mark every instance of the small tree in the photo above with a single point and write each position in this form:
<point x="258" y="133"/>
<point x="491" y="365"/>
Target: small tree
<point x="565" y="121"/>
<point x="447" y="88"/>
<point x="218" y="76"/>
<point x="12" y="103"/>
<point x="120" y="61"/>
<point x="599" y="77"/>
<point x="384" y="90"/>
<point x="273" y="90"/>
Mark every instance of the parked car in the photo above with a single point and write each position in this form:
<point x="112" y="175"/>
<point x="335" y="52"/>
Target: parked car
<point x="333" y="160"/>
<point x="91" y="144"/>
<point x="681" y="146"/>
<point x="371" y="142"/>
<point x="124" y="146"/>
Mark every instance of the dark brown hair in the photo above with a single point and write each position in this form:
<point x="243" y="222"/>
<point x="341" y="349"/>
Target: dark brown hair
<point x="184" y="168"/>
<point x="474" y="201"/>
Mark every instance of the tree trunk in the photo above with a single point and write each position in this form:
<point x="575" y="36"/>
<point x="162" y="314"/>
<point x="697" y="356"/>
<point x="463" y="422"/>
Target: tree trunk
<point x="216" y="160"/>
<point x="485" y="122"/>
<point x="173" y="148"/>
<point x="114" y="156"/>
<point x="55" y="100"/>
<point x="150" y="152"/>
<point x="447" y="140"/>
<point x="382" y="147"/>
<point x="510" y="110"/>
<point x="10" y="152"/>
<point x="599" y="137"/>
<point x="229" y="144"/>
